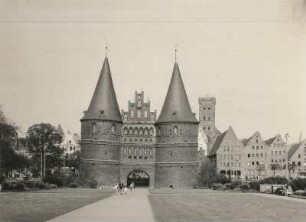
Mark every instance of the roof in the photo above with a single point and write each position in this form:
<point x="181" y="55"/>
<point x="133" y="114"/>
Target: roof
<point x="176" y="107"/>
<point x="104" y="104"/>
<point x="293" y="148"/>
<point x="246" y="141"/>
<point x="217" y="144"/>
<point x="270" y="141"/>
<point x="59" y="129"/>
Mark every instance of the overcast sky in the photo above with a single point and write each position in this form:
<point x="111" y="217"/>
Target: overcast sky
<point x="249" y="54"/>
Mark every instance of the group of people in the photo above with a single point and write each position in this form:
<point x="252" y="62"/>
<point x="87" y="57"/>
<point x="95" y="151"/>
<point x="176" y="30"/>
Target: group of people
<point x="123" y="189"/>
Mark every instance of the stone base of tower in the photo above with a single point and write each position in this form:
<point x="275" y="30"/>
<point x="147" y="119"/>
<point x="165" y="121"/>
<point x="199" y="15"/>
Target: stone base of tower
<point x="106" y="174"/>
<point x="175" y="175"/>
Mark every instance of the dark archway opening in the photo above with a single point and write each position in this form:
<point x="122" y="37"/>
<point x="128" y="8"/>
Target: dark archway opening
<point x="139" y="177"/>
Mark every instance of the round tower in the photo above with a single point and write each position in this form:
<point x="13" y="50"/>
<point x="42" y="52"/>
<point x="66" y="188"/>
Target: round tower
<point x="101" y="133"/>
<point x="176" y="138"/>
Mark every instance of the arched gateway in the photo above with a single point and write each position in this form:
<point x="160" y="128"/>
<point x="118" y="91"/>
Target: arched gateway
<point x="139" y="177"/>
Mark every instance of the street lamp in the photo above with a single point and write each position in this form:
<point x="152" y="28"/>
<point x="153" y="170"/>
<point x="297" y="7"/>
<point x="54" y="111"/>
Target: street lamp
<point x="286" y="157"/>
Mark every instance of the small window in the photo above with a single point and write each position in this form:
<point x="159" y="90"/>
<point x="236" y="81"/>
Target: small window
<point x="175" y="130"/>
<point x="94" y="128"/>
<point x="113" y="128"/>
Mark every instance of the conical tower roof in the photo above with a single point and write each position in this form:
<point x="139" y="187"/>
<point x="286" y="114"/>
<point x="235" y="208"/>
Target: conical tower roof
<point x="176" y="106"/>
<point x="59" y="129"/>
<point x="104" y="103"/>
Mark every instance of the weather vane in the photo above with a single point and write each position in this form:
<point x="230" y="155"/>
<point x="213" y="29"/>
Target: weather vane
<point x="106" y="47"/>
<point x="175" y="51"/>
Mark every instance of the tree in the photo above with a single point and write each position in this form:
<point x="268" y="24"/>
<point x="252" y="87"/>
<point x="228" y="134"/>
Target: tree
<point x="43" y="143"/>
<point x="73" y="160"/>
<point x="274" y="167"/>
<point x="208" y="174"/>
<point x="2" y="115"/>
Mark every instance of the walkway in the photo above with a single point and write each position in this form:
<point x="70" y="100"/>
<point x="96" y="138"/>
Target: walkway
<point x="134" y="207"/>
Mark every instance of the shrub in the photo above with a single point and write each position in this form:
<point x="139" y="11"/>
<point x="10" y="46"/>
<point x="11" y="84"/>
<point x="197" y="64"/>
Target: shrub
<point x="279" y="191"/>
<point x="218" y="186"/>
<point x="298" y="184"/>
<point x="223" y="179"/>
<point x="53" y="179"/>
<point x="229" y="186"/>
<point x="73" y="185"/>
<point x="2" y="178"/>
<point x="274" y="180"/>
<point x="244" y="187"/>
<point x="92" y="183"/>
<point x="300" y="192"/>
<point x="254" y="185"/>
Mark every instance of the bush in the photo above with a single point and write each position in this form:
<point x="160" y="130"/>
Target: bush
<point x="254" y="185"/>
<point x="18" y="186"/>
<point x="73" y="185"/>
<point x="244" y="187"/>
<point x="300" y="192"/>
<point x="92" y="183"/>
<point x="2" y="178"/>
<point x="218" y="186"/>
<point x="279" y="191"/>
<point x="52" y="179"/>
<point x="298" y="184"/>
<point x="274" y="180"/>
<point x="229" y="186"/>
<point x="223" y="179"/>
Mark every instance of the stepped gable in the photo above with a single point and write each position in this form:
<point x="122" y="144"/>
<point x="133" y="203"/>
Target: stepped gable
<point x="176" y="106"/>
<point x="104" y="104"/>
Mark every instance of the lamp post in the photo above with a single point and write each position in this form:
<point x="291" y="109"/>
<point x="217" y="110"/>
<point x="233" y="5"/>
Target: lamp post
<point x="286" y="157"/>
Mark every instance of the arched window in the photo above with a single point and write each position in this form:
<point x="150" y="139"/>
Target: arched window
<point x="125" y="117"/>
<point x="175" y="130"/>
<point x="151" y="132"/>
<point x="138" y="113"/>
<point x="113" y="128"/>
<point x="94" y="128"/>
<point x="145" y="114"/>
<point x="140" y="131"/>
<point x="125" y="131"/>
<point x="136" y="131"/>
<point x="132" y="114"/>
<point x="146" y="131"/>
<point x="130" y="131"/>
<point x="139" y="102"/>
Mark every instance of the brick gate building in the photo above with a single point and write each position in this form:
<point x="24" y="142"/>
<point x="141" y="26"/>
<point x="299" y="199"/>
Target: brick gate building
<point x="134" y="146"/>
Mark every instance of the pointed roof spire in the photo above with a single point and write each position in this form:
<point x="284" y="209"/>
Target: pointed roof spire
<point x="106" y="47"/>
<point x="176" y="106"/>
<point x="59" y="129"/>
<point x="104" y="103"/>
<point x="175" y="51"/>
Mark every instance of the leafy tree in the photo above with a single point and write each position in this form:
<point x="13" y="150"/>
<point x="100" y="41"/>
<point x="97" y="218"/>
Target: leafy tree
<point x="2" y="115"/>
<point x="73" y="160"/>
<point x="43" y="143"/>
<point x="208" y="174"/>
<point x="274" y="167"/>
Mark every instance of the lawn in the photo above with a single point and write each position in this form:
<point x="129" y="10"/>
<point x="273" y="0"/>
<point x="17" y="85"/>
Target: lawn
<point x="44" y="205"/>
<point x="207" y="205"/>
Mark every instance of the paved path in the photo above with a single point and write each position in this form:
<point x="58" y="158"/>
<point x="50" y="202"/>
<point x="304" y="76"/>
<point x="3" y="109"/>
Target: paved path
<point x="134" y="207"/>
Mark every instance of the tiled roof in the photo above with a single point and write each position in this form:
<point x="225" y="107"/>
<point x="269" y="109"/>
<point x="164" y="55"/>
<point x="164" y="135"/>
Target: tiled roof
<point x="176" y="106"/>
<point x="217" y="144"/>
<point x="293" y="148"/>
<point x="270" y="141"/>
<point x="104" y="104"/>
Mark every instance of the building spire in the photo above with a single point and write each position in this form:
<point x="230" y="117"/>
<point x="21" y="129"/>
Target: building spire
<point x="175" y="53"/>
<point x="104" y="103"/>
<point x="176" y="106"/>
<point x="106" y="47"/>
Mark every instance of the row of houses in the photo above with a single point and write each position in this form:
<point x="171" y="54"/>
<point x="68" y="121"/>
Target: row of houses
<point x="247" y="159"/>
